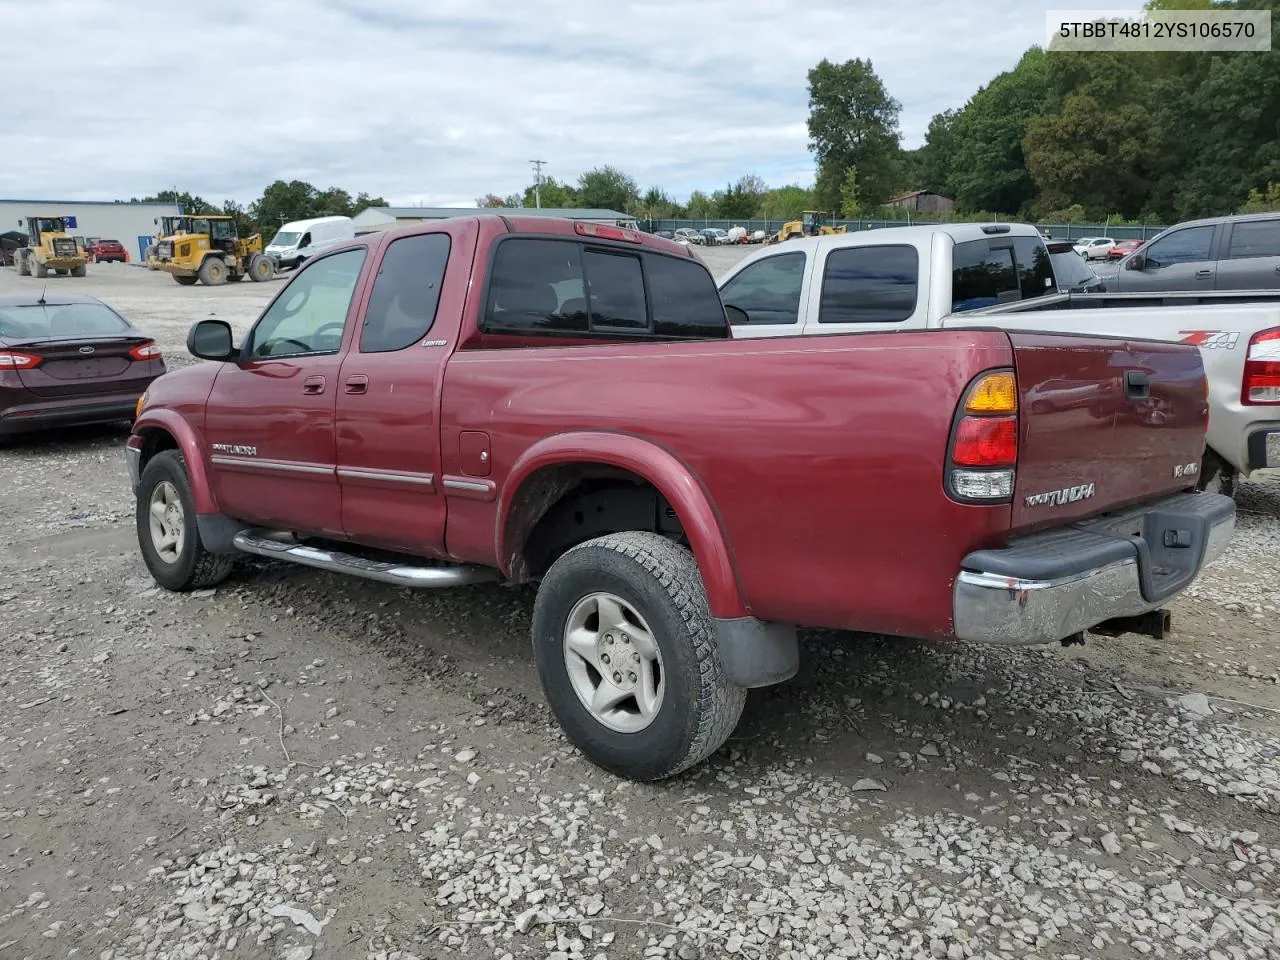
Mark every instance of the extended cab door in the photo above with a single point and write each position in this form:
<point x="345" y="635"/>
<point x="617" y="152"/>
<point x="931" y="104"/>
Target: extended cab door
<point x="1180" y="260"/>
<point x="269" y="420"/>
<point x="388" y="429"/>
<point x="1250" y="257"/>
<point x="860" y="287"/>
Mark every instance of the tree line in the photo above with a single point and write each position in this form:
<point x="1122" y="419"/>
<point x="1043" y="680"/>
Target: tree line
<point x="280" y="203"/>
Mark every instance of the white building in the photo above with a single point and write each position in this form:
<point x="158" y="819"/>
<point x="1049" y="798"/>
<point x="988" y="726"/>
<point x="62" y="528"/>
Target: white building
<point x="133" y="224"/>
<point x="379" y="218"/>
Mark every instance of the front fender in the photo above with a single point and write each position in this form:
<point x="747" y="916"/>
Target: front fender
<point x="181" y="431"/>
<point x="671" y="477"/>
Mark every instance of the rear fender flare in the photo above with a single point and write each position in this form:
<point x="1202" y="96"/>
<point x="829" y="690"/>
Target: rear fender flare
<point x="671" y="477"/>
<point x="178" y="428"/>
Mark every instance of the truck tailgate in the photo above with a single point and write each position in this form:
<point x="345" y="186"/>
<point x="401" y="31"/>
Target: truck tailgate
<point x="1105" y="423"/>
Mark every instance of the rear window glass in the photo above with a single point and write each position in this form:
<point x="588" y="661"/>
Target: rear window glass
<point x="1000" y="270"/>
<point x="869" y="285"/>
<point x="1035" y="271"/>
<point x="60" y="321"/>
<point x="1259" y="238"/>
<point x="564" y="287"/>
<point x="684" y="300"/>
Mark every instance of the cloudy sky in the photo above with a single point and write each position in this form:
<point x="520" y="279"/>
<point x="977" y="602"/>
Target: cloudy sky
<point x="441" y="101"/>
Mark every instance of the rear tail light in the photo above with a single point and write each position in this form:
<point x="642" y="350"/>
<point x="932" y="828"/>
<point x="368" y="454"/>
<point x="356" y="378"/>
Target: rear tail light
<point x="982" y="458"/>
<point x="145" y="351"/>
<point x="15" y="360"/>
<point x="1262" y="369"/>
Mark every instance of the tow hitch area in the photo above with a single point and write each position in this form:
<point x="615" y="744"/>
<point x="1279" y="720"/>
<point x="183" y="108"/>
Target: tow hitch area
<point x="1155" y="623"/>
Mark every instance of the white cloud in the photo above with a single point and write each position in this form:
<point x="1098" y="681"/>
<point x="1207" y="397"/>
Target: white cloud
<point x="444" y="101"/>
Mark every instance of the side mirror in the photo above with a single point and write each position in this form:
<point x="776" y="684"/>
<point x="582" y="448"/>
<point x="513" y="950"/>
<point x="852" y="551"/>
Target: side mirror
<point x="737" y="316"/>
<point x="211" y="340"/>
<point x="1136" y="262"/>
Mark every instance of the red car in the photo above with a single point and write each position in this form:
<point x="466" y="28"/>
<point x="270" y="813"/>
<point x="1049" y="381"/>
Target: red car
<point x="67" y="360"/>
<point x="1122" y="249"/>
<point x="538" y="400"/>
<point x="106" y="251"/>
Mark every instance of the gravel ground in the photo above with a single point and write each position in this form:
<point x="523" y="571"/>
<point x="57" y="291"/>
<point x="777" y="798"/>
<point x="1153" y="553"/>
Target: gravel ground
<point x="298" y="765"/>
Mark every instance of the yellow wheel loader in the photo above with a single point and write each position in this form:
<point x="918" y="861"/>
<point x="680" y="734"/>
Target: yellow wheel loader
<point x="209" y="249"/>
<point x="810" y="225"/>
<point x="49" y="248"/>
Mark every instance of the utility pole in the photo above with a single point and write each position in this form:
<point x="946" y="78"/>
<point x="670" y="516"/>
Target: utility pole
<point x="537" y="182"/>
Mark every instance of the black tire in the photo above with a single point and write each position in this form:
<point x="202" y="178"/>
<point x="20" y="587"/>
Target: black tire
<point x="660" y="580"/>
<point x="80" y="271"/>
<point x="1216" y="475"/>
<point x="213" y="272"/>
<point x="38" y="269"/>
<point x="185" y="281"/>
<point x="194" y="567"/>
<point x="261" y="268"/>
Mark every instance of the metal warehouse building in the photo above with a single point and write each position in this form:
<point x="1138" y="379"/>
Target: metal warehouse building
<point x="133" y="224"/>
<point x="379" y="218"/>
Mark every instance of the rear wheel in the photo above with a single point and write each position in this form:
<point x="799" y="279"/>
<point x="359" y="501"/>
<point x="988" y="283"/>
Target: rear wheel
<point x="38" y="269"/>
<point x="213" y="272"/>
<point x="80" y="271"/>
<point x="185" y="281"/>
<point x="167" y="532"/>
<point x="261" y="268"/>
<point x="23" y="265"/>
<point x="1216" y="475"/>
<point x="627" y="656"/>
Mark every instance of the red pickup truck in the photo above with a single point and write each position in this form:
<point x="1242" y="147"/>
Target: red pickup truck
<point x="528" y="399"/>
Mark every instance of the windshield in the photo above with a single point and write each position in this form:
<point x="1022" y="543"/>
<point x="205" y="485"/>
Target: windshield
<point x="285" y="239"/>
<point x="61" y="321"/>
<point x="50" y="225"/>
<point x="1070" y="269"/>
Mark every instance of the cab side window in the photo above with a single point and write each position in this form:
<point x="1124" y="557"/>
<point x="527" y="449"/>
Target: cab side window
<point x="309" y="315"/>
<point x="1182" y="246"/>
<point x="402" y="306"/>
<point x="769" y="290"/>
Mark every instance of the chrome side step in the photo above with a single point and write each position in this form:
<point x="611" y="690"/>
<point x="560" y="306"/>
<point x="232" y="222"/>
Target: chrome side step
<point x="263" y="544"/>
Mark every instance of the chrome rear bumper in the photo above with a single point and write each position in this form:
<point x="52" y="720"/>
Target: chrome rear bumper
<point x="1048" y="587"/>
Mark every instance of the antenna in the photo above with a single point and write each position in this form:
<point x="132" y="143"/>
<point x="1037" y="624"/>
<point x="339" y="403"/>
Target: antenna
<point x="42" y="293"/>
<point x="537" y="182"/>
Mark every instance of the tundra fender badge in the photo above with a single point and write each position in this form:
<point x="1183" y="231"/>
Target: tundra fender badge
<point x="1060" y="498"/>
<point x="236" y="448"/>
<point x="1185" y="470"/>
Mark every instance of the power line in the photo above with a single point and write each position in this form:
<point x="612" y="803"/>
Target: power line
<point x="537" y="182"/>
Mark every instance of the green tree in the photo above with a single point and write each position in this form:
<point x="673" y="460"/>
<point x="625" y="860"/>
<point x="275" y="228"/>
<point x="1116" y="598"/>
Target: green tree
<point x="1263" y="201"/>
<point x="608" y="188"/>
<point x="981" y="146"/>
<point x="700" y="206"/>
<point x="553" y="194"/>
<point x="657" y="205"/>
<point x="853" y="122"/>
<point x="282" y="202"/>
<point x="786" y="203"/>
<point x="934" y="158"/>
<point x="741" y="200"/>
<point x="849" y="206"/>
<point x="189" y="202"/>
<point x="491" y="200"/>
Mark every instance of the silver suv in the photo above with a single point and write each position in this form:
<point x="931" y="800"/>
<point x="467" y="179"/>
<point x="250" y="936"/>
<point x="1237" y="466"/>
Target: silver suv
<point x="1223" y="253"/>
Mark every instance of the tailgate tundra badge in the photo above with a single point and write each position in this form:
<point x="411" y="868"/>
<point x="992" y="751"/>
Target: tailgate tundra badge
<point x="1060" y="498"/>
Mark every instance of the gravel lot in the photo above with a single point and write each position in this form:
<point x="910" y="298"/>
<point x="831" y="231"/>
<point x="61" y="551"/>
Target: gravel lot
<point x="298" y="765"/>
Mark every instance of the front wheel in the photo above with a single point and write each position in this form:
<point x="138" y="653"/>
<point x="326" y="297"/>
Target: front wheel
<point x="261" y="268"/>
<point x="185" y="281"/>
<point x="167" y="532"/>
<point x="80" y="271"/>
<point x="213" y="272"/>
<point x="627" y="656"/>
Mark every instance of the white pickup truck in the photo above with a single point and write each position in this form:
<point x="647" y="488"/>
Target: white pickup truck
<point x="1000" y="275"/>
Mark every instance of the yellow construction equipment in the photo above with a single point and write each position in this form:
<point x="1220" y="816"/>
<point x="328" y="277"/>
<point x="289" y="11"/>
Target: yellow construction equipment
<point x="809" y="225"/>
<point x="49" y="247"/>
<point x="208" y="248"/>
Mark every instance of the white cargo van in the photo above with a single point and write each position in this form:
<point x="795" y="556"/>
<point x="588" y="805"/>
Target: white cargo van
<point x="297" y="241"/>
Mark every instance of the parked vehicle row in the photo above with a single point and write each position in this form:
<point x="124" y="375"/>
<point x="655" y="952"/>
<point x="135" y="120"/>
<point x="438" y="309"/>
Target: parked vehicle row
<point x="409" y="408"/>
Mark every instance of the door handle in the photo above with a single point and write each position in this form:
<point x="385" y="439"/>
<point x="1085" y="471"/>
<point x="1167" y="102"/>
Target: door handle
<point x="313" y="385"/>
<point x="1137" y="385"/>
<point x="1203" y="274"/>
<point x="356" y="384"/>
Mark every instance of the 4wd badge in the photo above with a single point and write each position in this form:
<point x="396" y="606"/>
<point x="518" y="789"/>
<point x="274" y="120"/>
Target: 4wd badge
<point x="1211" y="339"/>
<point x="1185" y="470"/>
